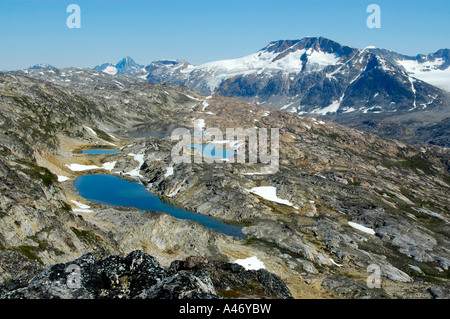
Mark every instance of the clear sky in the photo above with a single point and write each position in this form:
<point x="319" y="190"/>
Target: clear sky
<point x="199" y="31"/>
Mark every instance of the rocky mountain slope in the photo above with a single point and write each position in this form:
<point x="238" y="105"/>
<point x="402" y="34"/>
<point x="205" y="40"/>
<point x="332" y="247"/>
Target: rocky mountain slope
<point x="79" y="77"/>
<point x="334" y="177"/>
<point x="350" y="199"/>
<point x="41" y="124"/>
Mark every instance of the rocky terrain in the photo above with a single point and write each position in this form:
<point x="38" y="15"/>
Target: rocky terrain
<point x="79" y="77"/>
<point x="354" y="200"/>
<point x="140" y="276"/>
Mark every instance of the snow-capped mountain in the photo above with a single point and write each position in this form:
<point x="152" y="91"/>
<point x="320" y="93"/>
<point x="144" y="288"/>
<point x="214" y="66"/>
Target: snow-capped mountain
<point x="280" y="57"/>
<point x="373" y="89"/>
<point x="124" y="66"/>
<point x="315" y="76"/>
<point x="433" y="68"/>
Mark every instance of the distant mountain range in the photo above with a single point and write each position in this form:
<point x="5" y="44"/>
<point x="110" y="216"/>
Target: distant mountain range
<point x="42" y="66"/>
<point x="381" y="91"/>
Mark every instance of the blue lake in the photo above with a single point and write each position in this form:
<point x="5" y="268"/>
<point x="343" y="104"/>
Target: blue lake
<point x="100" y="151"/>
<point x="210" y="150"/>
<point x="112" y="190"/>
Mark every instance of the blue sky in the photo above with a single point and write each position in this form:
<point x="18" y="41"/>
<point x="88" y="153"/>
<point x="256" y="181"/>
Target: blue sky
<point x="35" y="31"/>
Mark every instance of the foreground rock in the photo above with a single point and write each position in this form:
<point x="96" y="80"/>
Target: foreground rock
<point x="140" y="276"/>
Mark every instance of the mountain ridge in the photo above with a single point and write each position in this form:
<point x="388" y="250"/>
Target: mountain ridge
<point x="374" y="89"/>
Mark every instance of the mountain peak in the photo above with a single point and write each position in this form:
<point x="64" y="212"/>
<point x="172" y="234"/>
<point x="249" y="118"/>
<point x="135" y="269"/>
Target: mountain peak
<point x="319" y="44"/>
<point x="124" y="66"/>
<point x="127" y="61"/>
<point x="127" y="65"/>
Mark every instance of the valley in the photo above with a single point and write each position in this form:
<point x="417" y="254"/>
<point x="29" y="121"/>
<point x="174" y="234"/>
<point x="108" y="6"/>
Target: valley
<point x="343" y="199"/>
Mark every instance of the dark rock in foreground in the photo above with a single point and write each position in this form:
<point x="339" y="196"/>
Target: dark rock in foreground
<point x="140" y="276"/>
